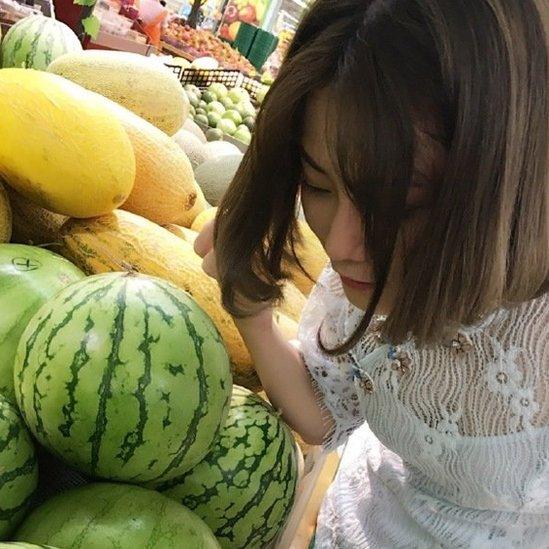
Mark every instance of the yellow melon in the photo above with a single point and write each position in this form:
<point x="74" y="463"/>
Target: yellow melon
<point x="33" y="224"/>
<point x="139" y="83"/>
<point x="123" y="241"/>
<point x="165" y="190"/>
<point x="202" y="218"/>
<point x="60" y="147"/>
<point x="5" y="216"/>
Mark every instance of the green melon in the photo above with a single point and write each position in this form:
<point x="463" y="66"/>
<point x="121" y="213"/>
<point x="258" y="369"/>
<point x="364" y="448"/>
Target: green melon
<point x="29" y="276"/>
<point x="18" y="468"/>
<point x="116" y="516"/>
<point x="245" y="488"/>
<point x="35" y="41"/>
<point x="123" y="377"/>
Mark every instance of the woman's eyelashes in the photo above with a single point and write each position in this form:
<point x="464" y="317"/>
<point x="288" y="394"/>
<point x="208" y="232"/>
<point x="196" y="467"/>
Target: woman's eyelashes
<point x="313" y="189"/>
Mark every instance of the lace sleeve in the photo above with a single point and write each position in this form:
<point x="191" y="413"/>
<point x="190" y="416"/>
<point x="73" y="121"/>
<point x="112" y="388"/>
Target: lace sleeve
<point x="333" y="377"/>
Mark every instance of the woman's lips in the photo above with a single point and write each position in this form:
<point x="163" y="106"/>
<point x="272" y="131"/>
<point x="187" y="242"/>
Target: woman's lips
<point x="357" y="284"/>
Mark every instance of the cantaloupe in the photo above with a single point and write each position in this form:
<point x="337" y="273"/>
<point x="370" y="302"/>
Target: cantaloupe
<point x="191" y="126"/>
<point x="139" y="83"/>
<point x="215" y="175"/>
<point x="165" y="190"/>
<point x="60" y="147"/>
<point x="309" y="251"/>
<point x="5" y="215"/>
<point x="192" y="146"/>
<point x="123" y="241"/>
<point x="32" y="224"/>
<point x="188" y="235"/>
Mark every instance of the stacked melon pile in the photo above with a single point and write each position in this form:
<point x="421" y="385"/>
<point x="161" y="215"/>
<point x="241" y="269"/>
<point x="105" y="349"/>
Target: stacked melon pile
<point x="118" y="358"/>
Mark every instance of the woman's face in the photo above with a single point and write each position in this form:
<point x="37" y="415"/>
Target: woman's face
<point x="338" y="224"/>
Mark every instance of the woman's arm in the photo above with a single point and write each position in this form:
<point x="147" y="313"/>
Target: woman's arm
<point x="278" y="363"/>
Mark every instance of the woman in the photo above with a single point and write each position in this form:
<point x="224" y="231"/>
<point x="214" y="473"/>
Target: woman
<point x="416" y="134"/>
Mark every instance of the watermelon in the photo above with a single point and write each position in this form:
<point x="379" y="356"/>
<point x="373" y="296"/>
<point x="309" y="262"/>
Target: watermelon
<point x="123" y="377"/>
<point x="35" y="41"/>
<point x="117" y="516"/>
<point x="245" y="488"/>
<point x="18" y="468"/>
<point x="28" y="278"/>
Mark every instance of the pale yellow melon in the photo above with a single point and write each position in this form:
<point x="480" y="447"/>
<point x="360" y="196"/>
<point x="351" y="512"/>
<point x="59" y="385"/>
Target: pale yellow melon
<point x="139" y="83"/>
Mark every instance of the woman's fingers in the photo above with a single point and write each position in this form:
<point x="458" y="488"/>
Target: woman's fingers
<point x="204" y="242"/>
<point x="209" y="264"/>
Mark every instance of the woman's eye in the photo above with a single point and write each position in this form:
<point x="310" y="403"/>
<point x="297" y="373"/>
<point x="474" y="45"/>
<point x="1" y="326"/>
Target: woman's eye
<point x="312" y="189"/>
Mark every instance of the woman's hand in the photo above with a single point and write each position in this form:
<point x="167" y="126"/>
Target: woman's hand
<point x="204" y="247"/>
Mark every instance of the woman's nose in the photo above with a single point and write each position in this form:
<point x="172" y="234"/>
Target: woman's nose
<point x="345" y="240"/>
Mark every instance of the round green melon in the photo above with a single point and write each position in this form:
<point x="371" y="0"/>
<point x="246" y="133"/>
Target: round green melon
<point x="18" y="468"/>
<point x="115" y="516"/>
<point x="29" y="276"/>
<point x="124" y="377"/>
<point x="244" y="489"/>
<point x="35" y="41"/>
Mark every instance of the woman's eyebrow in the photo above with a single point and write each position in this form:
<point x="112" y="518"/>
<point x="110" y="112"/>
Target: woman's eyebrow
<point x="306" y="157"/>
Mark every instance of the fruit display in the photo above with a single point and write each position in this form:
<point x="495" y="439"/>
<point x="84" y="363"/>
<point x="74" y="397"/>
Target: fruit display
<point x="29" y="277"/>
<point x="147" y="383"/>
<point x="125" y="358"/>
<point x="115" y="516"/>
<point x="227" y="112"/>
<point x="139" y="83"/>
<point x="35" y="41"/>
<point x="241" y="11"/>
<point x="37" y="109"/>
<point x="201" y="43"/>
<point x="245" y="487"/>
<point x="18" y="468"/>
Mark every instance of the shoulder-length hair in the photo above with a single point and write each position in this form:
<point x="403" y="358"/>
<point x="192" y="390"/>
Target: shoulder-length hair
<point x="481" y="68"/>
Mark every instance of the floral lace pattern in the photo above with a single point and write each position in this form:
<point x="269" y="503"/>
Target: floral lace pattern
<point x="452" y="447"/>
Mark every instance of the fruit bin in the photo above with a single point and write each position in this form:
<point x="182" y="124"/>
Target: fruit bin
<point x="202" y="78"/>
<point x="318" y="472"/>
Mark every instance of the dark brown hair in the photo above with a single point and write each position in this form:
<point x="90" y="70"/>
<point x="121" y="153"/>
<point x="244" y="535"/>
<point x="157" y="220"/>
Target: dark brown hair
<point x="480" y="68"/>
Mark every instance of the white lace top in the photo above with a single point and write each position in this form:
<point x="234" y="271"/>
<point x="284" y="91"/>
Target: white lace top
<point x="452" y="446"/>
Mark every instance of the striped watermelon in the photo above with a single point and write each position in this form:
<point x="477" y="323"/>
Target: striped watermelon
<point x="18" y="468"/>
<point x="123" y="377"/>
<point x="29" y="276"/>
<point x="35" y="41"/>
<point x="116" y="516"/>
<point x="244" y="489"/>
